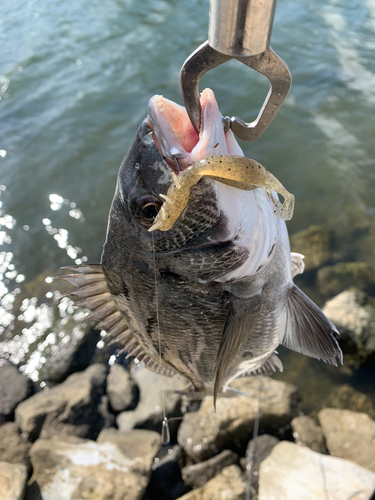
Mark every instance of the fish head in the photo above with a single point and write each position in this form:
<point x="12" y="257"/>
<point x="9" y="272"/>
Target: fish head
<point x="165" y="144"/>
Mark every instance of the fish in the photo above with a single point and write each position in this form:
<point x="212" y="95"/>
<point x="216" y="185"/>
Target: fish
<point x="212" y="297"/>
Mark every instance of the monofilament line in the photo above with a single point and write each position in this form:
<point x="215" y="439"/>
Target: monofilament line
<point x="250" y="458"/>
<point x="165" y="438"/>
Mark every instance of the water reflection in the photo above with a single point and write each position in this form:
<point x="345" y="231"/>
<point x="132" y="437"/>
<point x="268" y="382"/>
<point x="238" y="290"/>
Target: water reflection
<point x="35" y="329"/>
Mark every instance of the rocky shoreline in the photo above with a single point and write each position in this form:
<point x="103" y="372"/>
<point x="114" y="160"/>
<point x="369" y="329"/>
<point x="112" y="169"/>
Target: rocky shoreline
<point x="97" y="436"/>
<point x="96" y="433"/>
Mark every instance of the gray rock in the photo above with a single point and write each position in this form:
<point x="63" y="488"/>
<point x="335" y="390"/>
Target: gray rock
<point x="79" y="469"/>
<point x="77" y="407"/>
<point x="14" y="388"/>
<point x="203" y="433"/>
<point x="263" y="447"/>
<point x="122" y="391"/>
<point x="345" y="397"/>
<point x="333" y="280"/>
<point x="166" y="482"/>
<point x="149" y="412"/>
<point x="349" y="435"/>
<point x="307" y="433"/>
<point x="137" y="444"/>
<point x="197" y="475"/>
<point x="314" y="243"/>
<point x="353" y="313"/>
<point x="293" y="472"/>
<point x="229" y="484"/>
<point x="13" y="448"/>
<point x="12" y="481"/>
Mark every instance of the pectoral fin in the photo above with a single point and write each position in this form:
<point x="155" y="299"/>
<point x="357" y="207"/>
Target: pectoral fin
<point x="308" y="330"/>
<point x="240" y="320"/>
<point x="298" y="266"/>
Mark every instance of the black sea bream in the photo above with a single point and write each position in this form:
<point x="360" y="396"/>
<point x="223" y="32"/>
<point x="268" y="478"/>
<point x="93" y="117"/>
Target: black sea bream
<point x="224" y="272"/>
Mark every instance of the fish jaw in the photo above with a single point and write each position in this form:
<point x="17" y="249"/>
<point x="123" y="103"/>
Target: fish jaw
<point x="176" y="138"/>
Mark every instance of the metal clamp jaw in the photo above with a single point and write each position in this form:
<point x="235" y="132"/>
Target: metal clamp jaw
<point x="239" y="29"/>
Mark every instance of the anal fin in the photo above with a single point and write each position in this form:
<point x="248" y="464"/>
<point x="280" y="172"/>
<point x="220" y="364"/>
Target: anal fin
<point x="308" y="330"/>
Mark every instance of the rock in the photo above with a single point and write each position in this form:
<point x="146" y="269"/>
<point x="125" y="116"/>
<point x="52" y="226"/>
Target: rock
<point x="263" y="447"/>
<point x="122" y="391"/>
<point x="197" y="475"/>
<point x="228" y="484"/>
<point x="12" y="448"/>
<point x="166" y="482"/>
<point x="345" y="397"/>
<point x="137" y="444"/>
<point x="77" y="407"/>
<point x="293" y="472"/>
<point x="12" y="481"/>
<point x="314" y="244"/>
<point x="82" y="469"/>
<point x="349" y="435"/>
<point x="149" y="412"/>
<point x="14" y="388"/>
<point x="203" y="433"/>
<point x="353" y="313"/>
<point x="337" y="278"/>
<point x="307" y="433"/>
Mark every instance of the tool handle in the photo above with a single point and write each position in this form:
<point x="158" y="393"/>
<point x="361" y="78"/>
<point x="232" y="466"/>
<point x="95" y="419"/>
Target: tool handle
<point x="240" y="27"/>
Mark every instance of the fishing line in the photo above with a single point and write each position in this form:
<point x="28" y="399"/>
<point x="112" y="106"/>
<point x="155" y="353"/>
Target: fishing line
<point x="165" y="434"/>
<point x="250" y="456"/>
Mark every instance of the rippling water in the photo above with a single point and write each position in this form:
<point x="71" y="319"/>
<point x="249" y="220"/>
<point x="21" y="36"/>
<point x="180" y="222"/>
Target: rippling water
<point x="75" y="78"/>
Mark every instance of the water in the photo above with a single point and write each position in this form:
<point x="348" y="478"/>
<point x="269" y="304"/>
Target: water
<point x="74" y="85"/>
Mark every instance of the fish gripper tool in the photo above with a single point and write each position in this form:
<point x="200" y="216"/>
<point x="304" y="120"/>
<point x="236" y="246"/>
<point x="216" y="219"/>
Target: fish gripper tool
<point x="241" y="30"/>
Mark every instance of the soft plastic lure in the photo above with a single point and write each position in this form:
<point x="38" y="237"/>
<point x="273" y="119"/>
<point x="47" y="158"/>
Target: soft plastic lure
<point x="236" y="171"/>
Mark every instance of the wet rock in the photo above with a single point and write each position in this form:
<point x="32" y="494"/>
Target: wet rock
<point x="333" y="280"/>
<point x="294" y="472"/>
<point x="345" y="397"/>
<point x="138" y="444"/>
<point x="228" y="484"/>
<point x="349" y="435"/>
<point x="122" y="391"/>
<point x="314" y="244"/>
<point x="12" y="481"/>
<point x="166" y="482"/>
<point x="263" y="447"/>
<point x="307" y="433"/>
<point x="77" y="407"/>
<point x="13" y="448"/>
<point x="353" y="313"/>
<point x="203" y="433"/>
<point x="149" y="412"/>
<point x="197" y="475"/>
<point x="14" y="388"/>
<point x="79" y="469"/>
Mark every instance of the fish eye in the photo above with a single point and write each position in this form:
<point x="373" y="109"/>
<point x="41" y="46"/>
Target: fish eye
<point x="148" y="206"/>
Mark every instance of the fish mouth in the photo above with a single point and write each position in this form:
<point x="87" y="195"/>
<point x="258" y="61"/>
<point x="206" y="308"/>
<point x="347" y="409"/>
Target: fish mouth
<point x="176" y="139"/>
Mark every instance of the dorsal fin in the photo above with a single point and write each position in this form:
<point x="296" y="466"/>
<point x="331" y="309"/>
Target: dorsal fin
<point x="308" y="330"/>
<point x="92" y="289"/>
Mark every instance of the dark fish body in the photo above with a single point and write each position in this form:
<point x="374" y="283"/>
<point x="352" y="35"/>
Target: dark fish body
<point x="213" y="297"/>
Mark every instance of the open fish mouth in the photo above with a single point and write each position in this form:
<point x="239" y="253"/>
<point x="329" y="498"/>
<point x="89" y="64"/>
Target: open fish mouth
<point x="176" y="139"/>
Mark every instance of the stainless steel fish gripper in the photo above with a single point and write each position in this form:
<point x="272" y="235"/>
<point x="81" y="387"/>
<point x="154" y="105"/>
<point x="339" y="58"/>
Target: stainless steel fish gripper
<point x="238" y="29"/>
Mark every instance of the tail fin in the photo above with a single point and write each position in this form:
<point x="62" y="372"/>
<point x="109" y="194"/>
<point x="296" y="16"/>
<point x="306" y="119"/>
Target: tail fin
<point x="308" y="330"/>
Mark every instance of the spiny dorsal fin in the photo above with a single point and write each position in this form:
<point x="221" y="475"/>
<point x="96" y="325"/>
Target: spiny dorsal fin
<point x="92" y="289"/>
<point x="298" y="265"/>
<point x="308" y="330"/>
<point x="240" y="320"/>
